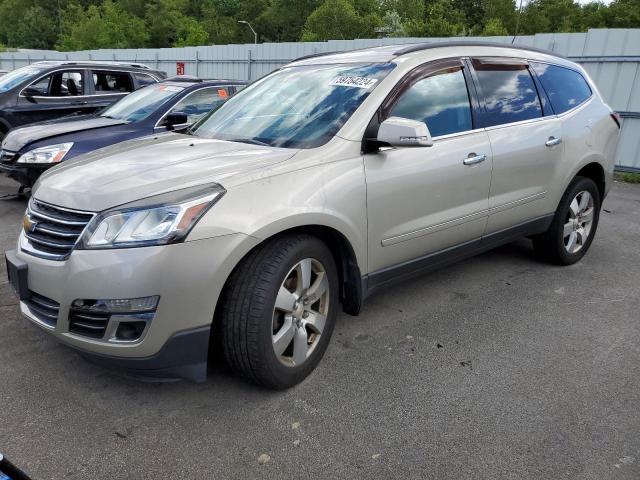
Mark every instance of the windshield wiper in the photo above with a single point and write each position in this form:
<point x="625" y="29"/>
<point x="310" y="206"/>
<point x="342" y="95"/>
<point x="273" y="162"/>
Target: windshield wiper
<point x="251" y="141"/>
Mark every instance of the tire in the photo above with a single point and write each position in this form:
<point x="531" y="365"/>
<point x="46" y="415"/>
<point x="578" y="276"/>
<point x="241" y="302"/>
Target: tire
<point x="256" y="319"/>
<point x="569" y="237"/>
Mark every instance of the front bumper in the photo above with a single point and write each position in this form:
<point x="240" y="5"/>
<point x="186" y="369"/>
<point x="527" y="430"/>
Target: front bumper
<point x="25" y="175"/>
<point x="188" y="277"/>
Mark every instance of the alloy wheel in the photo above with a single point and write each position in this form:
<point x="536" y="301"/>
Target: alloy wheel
<point x="300" y="312"/>
<point x="579" y="222"/>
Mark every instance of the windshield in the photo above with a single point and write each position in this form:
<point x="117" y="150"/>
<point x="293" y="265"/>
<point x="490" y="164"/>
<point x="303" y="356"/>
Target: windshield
<point x="141" y="103"/>
<point x="297" y="107"/>
<point x="15" y="78"/>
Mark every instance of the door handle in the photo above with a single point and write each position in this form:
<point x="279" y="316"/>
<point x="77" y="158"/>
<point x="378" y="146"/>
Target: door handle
<point x="553" y="141"/>
<point x="474" y="159"/>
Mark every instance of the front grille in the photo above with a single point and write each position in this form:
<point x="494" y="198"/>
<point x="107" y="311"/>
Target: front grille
<point x="7" y="156"/>
<point x="53" y="231"/>
<point x="43" y="308"/>
<point x="93" y="324"/>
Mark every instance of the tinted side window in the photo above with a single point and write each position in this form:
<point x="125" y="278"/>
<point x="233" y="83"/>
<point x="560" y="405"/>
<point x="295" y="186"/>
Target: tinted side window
<point x="60" y="84"/>
<point x="566" y="88"/>
<point x="111" y="82"/>
<point x="200" y="102"/>
<point x="440" y="100"/>
<point x="144" y="79"/>
<point x="509" y="93"/>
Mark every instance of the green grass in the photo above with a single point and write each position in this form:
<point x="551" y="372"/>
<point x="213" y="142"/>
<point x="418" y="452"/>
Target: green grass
<point x="627" y="177"/>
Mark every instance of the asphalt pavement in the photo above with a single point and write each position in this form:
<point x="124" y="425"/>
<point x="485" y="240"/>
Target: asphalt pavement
<point x="499" y="367"/>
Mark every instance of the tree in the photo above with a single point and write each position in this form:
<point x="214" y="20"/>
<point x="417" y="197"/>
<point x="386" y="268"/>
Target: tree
<point x="28" y="23"/>
<point x="284" y="20"/>
<point x="444" y="20"/>
<point x="105" y="26"/>
<point x="36" y="29"/>
<point x="338" y="19"/>
<point x="494" y="28"/>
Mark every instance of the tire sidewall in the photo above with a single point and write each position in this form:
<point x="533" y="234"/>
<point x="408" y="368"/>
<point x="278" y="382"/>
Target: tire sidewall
<point x="580" y="184"/>
<point x="287" y="376"/>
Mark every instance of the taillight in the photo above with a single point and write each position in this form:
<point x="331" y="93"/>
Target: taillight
<point x="616" y="118"/>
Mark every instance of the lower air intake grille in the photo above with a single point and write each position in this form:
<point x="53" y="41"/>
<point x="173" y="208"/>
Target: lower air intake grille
<point x="93" y="324"/>
<point x="44" y="309"/>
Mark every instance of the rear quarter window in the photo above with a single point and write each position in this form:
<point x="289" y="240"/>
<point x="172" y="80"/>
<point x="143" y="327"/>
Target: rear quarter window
<point x="565" y="88"/>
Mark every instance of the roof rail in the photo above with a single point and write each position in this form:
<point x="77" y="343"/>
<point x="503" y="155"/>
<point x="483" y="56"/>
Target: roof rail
<point x="314" y="55"/>
<point x="94" y="62"/>
<point x="184" y="78"/>
<point x="472" y="43"/>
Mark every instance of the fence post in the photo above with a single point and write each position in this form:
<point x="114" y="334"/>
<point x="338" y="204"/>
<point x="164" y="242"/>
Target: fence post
<point x="157" y="61"/>
<point x="13" y="61"/>
<point x="249" y="66"/>
<point x="197" y="64"/>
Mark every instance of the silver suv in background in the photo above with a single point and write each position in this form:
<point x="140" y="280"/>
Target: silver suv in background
<point x="306" y="192"/>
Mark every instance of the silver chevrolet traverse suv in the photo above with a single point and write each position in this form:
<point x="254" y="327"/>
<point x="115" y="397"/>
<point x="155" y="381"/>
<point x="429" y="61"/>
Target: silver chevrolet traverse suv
<point x="309" y="190"/>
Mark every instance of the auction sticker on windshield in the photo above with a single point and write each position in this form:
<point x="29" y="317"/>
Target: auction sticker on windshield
<point x="349" y="81"/>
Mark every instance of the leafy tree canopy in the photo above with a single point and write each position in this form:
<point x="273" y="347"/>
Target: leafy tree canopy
<point x="91" y="24"/>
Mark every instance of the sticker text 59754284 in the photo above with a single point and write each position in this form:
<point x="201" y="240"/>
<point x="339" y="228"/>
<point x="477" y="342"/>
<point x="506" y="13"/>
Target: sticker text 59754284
<point x="349" y="81"/>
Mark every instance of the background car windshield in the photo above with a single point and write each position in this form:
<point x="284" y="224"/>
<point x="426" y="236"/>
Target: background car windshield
<point x="12" y="79"/>
<point x="297" y="107"/>
<point x="142" y="103"/>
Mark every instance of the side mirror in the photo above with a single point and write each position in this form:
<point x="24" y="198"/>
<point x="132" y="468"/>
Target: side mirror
<point x="30" y="92"/>
<point x="176" y="118"/>
<point x="403" y="132"/>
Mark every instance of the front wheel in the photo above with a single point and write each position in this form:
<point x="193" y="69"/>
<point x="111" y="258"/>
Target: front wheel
<point x="574" y="224"/>
<point x="278" y="311"/>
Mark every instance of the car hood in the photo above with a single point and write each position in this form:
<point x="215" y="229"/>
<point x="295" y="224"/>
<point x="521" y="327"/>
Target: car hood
<point x="137" y="169"/>
<point x="20" y="137"/>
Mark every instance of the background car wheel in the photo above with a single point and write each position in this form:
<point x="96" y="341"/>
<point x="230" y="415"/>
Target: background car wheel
<point x="574" y="225"/>
<point x="278" y="311"/>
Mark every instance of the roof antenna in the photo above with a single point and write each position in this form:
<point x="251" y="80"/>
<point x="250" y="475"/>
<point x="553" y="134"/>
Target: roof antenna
<point x="515" y="34"/>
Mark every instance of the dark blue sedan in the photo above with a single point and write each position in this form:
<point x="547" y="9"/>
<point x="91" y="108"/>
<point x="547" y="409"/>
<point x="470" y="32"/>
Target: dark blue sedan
<point x="171" y="105"/>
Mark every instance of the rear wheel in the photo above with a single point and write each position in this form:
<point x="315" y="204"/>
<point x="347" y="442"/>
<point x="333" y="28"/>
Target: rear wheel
<point x="574" y="225"/>
<point x="278" y="311"/>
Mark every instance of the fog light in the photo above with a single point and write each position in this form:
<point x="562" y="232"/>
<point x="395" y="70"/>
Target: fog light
<point x="127" y="305"/>
<point x="130" y="331"/>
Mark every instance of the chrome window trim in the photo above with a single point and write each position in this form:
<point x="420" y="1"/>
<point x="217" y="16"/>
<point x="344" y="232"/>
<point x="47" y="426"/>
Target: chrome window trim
<point x="157" y="125"/>
<point x="521" y="122"/>
<point x="577" y="107"/>
<point x="457" y="134"/>
<point x="51" y="72"/>
<point x="90" y="69"/>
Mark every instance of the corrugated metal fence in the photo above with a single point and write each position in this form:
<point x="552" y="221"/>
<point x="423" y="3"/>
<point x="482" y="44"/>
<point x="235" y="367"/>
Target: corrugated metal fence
<point x="611" y="56"/>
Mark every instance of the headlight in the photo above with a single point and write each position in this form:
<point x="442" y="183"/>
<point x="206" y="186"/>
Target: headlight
<point x="153" y="221"/>
<point x="48" y="154"/>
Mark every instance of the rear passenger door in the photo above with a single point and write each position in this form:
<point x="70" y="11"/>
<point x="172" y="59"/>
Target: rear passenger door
<point x="423" y="200"/>
<point x="526" y="141"/>
<point x="108" y="87"/>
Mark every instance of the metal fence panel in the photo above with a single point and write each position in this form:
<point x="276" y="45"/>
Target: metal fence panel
<point x="611" y="56"/>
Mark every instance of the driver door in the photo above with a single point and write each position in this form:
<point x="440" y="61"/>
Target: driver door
<point x="422" y="201"/>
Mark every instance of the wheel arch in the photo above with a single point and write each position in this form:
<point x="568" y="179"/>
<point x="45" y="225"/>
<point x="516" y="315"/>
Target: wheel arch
<point x="595" y="172"/>
<point x="343" y="253"/>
